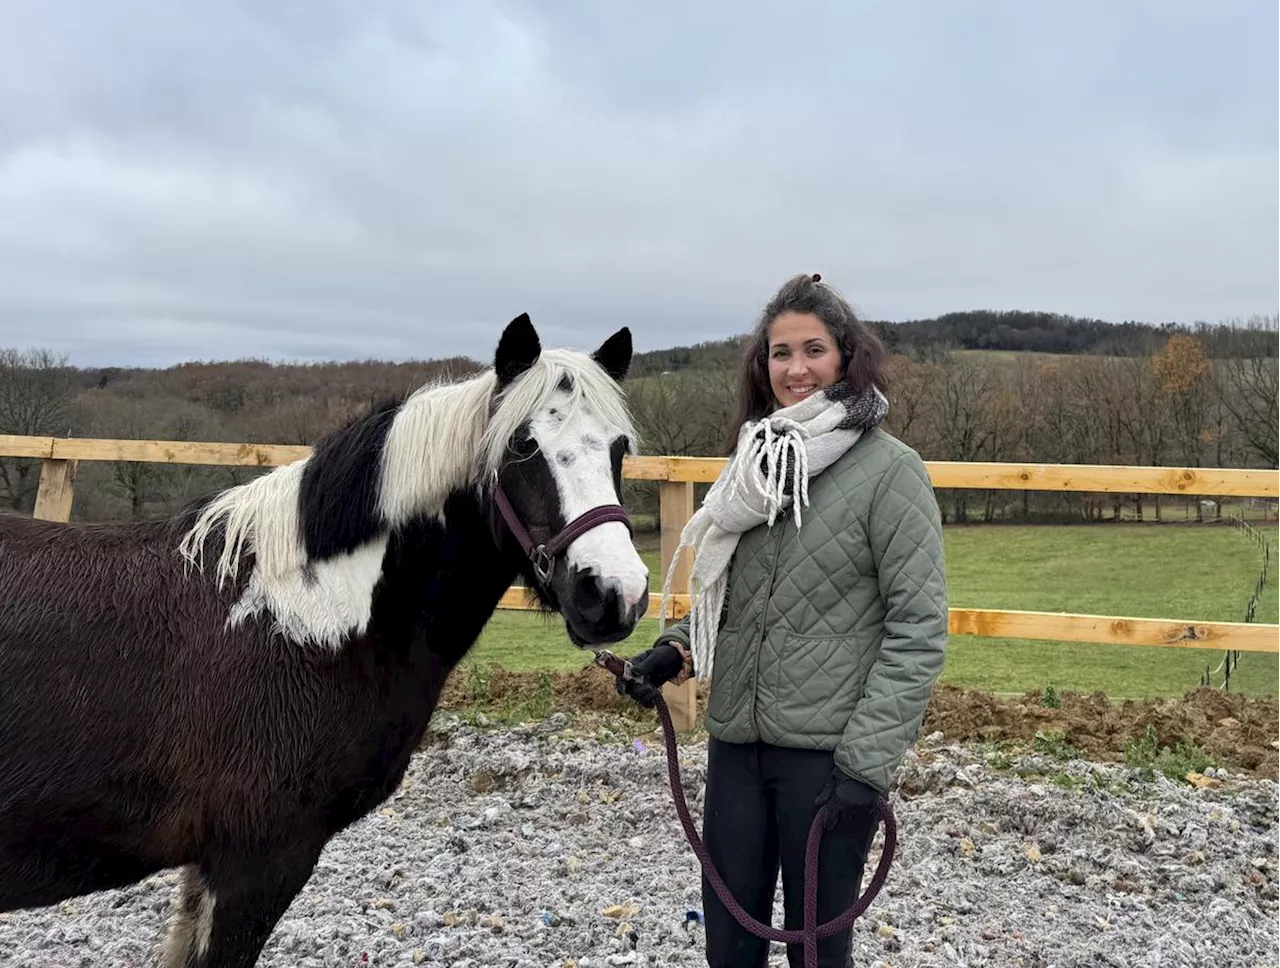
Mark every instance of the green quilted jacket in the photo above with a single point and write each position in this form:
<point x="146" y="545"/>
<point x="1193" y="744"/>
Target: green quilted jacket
<point x="833" y="635"/>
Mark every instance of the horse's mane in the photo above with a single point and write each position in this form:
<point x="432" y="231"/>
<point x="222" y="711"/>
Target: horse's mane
<point x="444" y="437"/>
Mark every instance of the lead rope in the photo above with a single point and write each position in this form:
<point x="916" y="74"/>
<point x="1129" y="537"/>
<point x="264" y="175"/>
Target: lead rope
<point x="812" y="932"/>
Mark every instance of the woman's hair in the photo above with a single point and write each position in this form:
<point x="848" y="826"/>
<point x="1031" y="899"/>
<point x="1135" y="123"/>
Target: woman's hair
<point x="862" y="355"/>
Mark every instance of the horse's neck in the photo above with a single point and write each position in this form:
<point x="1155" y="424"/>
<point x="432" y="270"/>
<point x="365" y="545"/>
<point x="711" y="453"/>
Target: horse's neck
<point x="442" y="581"/>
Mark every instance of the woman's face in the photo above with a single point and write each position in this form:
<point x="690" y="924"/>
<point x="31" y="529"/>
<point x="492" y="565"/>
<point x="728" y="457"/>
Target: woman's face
<point x="803" y="358"/>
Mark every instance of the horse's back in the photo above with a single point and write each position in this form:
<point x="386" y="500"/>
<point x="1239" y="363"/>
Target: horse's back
<point x="81" y="631"/>
<point x="79" y="604"/>
<point x="54" y="574"/>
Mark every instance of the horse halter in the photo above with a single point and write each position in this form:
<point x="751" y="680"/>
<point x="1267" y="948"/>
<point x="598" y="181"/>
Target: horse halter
<point x="543" y="556"/>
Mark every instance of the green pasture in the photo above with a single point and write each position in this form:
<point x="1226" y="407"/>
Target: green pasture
<point x="1192" y="572"/>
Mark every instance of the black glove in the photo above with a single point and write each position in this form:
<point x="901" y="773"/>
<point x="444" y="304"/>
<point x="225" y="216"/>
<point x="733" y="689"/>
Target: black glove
<point x="650" y="669"/>
<point x="844" y="797"/>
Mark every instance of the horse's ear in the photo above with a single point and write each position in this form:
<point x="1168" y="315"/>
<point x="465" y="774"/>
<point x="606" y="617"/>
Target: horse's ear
<point x="518" y="350"/>
<point x="614" y="354"/>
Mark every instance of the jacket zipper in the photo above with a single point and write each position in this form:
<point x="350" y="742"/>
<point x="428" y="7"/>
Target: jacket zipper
<point x="764" y="615"/>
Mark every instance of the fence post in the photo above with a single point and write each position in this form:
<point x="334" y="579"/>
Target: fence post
<point x="675" y="508"/>
<point x="57" y="488"/>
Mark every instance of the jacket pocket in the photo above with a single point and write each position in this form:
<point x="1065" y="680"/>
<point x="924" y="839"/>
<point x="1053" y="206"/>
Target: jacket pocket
<point x="729" y="675"/>
<point x="818" y="682"/>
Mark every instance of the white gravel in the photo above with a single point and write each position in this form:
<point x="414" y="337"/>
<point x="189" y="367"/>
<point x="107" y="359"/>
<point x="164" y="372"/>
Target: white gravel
<point x="503" y="848"/>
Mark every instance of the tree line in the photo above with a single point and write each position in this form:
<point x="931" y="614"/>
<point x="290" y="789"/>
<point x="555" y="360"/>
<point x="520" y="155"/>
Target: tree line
<point x="1178" y="396"/>
<point x="1010" y="331"/>
<point x="1177" y="406"/>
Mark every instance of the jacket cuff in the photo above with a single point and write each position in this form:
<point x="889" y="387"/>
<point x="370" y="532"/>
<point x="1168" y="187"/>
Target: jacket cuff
<point x="860" y="792"/>
<point x="846" y="763"/>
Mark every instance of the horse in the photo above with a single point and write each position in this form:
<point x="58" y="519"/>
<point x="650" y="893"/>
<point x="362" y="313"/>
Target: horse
<point x="224" y="690"/>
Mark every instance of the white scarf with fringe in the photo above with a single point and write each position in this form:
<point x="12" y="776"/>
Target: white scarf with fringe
<point x="768" y="473"/>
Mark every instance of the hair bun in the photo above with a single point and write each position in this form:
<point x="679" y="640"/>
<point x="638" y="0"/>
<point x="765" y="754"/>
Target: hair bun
<point x="817" y="277"/>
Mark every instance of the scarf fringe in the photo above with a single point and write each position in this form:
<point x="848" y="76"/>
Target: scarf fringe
<point x="753" y="489"/>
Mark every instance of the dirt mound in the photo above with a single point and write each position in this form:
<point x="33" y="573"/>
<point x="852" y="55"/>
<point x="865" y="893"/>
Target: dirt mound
<point x="500" y="691"/>
<point x="1235" y="731"/>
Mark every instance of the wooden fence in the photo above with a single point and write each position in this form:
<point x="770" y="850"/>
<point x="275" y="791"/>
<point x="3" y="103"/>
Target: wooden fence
<point x="676" y="477"/>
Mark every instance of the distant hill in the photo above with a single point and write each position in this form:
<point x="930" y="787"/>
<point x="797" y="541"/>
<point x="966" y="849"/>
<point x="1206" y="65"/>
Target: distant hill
<point x="717" y="354"/>
<point x="1034" y="331"/>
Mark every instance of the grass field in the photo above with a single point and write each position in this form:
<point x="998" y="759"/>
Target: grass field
<point x="1198" y="573"/>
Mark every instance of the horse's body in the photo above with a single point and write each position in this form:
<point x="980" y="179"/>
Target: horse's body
<point x="155" y="716"/>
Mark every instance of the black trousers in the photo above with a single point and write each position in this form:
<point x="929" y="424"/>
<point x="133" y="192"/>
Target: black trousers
<point x="759" y="806"/>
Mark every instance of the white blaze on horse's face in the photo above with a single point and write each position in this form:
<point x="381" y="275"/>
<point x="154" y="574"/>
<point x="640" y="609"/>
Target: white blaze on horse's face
<point x="579" y="451"/>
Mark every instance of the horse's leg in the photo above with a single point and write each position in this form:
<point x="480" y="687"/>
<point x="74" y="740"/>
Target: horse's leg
<point x="229" y="907"/>
<point x="190" y="922"/>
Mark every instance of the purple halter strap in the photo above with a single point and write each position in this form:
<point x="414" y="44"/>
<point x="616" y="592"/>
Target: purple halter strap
<point x="543" y="556"/>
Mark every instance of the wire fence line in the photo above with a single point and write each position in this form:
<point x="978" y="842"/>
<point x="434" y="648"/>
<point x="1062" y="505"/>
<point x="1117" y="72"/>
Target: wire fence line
<point x="1231" y="658"/>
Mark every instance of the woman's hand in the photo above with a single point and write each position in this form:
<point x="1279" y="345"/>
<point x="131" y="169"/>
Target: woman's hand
<point x="650" y="670"/>
<point x="843" y="796"/>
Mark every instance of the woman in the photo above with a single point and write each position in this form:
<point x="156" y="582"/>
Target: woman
<point x="819" y="615"/>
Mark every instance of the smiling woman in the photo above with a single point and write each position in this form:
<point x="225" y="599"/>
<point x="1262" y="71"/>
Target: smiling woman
<point x="819" y="615"/>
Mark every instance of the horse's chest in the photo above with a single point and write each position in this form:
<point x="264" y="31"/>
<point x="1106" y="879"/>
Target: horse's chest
<point x="370" y="776"/>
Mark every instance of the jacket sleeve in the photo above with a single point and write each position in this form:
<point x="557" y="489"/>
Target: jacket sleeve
<point x="678" y="632"/>
<point x="905" y="534"/>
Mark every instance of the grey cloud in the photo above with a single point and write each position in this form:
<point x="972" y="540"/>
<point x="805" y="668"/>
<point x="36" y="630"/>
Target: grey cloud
<point x="347" y="180"/>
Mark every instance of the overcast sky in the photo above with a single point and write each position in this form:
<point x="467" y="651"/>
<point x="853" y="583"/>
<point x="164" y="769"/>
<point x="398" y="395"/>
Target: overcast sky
<point x="317" y="179"/>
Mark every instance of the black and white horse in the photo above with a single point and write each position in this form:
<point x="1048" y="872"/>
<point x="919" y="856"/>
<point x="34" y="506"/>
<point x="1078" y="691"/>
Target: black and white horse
<point x="225" y="690"/>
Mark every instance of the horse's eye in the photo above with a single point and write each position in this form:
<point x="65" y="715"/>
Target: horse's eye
<point x="524" y="446"/>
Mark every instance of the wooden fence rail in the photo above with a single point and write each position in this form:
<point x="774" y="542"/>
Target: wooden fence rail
<point x="677" y="476"/>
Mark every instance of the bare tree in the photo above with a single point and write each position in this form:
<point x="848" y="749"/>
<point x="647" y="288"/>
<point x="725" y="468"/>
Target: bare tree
<point x="910" y="397"/>
<point x="683" y="413"/>
<point x="1143" y="417"/>
<point x="1094" y="428"/>
<point x="680" y="413"/>
<point x="1252" y="395"/>
<point x="37" y="390"/>
<point x="1247" y="386"/>
<point x="961" y="418"/>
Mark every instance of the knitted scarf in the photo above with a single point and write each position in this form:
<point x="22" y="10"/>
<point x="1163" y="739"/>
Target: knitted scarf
<point x="768" y="473"/>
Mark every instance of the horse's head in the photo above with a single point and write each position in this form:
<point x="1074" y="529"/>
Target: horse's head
<point x="557" y="435"/>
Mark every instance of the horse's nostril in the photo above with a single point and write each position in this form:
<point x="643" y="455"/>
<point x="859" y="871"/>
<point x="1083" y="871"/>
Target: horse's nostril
<point x="591" y="598"/>
<point x="601" y="608"/>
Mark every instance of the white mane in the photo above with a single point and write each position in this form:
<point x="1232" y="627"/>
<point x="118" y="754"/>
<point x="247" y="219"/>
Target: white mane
<point x="442" y="439"/>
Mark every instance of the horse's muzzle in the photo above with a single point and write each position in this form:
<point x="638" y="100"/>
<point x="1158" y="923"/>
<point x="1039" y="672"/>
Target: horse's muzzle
<point x="596" y="612"/>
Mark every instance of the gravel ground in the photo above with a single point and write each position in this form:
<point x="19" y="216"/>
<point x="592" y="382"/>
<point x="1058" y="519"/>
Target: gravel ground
<point x="538" y="848"/>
